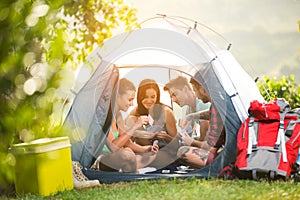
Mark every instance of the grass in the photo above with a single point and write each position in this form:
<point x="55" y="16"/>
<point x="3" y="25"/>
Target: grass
<point x="188" y="189"/>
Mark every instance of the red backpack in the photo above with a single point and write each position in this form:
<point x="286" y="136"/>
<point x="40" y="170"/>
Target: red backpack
<point x="268" y="141"/>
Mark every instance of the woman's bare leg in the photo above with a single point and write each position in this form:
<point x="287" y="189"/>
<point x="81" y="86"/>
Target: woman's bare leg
<point x="122" y="159"/>
<point x="145" y="159"/>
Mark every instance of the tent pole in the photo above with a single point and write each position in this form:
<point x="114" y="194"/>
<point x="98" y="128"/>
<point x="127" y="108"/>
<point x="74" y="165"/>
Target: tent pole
<point x="169" y="74"/>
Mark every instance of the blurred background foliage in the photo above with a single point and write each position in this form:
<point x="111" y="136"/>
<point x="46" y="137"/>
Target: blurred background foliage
<point x="285" y="87"/>
<point x="41" y="42"/>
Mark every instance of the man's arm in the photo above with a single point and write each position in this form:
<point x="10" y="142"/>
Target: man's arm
<point x="204" y="114"/>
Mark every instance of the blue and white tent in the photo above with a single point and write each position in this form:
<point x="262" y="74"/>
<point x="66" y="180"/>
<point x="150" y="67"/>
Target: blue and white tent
<point x="172" y="46"/>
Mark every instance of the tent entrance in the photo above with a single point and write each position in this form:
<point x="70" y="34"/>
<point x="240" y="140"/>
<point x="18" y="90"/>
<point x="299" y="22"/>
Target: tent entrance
<point x="189" y="53"/>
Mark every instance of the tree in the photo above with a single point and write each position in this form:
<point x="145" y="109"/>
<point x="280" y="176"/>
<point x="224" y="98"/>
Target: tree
<point x="41" y="40"/>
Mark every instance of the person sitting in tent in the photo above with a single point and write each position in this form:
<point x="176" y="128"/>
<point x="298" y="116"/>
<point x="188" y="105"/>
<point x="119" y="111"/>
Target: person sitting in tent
<point x="181" y="93"/>
<point x="201" y="153"/>
<point x="120" y="153"/>
<point x="162" y="124"/>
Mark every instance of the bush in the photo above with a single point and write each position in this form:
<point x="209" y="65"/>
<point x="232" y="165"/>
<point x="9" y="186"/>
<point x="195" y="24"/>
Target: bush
<point x="285" y="87"/>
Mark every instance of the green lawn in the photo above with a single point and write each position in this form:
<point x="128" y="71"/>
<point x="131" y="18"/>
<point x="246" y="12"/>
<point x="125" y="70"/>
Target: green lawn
<point x="184" y="189"/>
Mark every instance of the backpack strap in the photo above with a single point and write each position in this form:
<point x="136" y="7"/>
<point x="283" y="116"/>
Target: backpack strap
<point x="272" y="174"/>
<point x="252" y="140"/>
<point x="254" y="174"/>
<point x="281" y="137"/>
<point x="290" y="127"/>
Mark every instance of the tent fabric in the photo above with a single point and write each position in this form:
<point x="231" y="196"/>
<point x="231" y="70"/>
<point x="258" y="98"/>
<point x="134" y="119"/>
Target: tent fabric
<point x="229" y="86"/>
<point x="236" y="82"/>
<point x="90" y="116"/>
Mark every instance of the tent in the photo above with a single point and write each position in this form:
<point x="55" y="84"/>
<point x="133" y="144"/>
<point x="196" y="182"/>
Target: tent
<point x="168" y="47"/>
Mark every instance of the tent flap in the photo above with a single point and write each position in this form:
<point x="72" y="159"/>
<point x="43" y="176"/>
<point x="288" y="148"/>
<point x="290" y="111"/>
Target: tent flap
<point x="89" y="115"/>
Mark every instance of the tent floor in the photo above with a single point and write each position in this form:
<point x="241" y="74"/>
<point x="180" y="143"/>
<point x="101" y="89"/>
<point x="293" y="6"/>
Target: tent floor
<point x="171" y="171"/>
